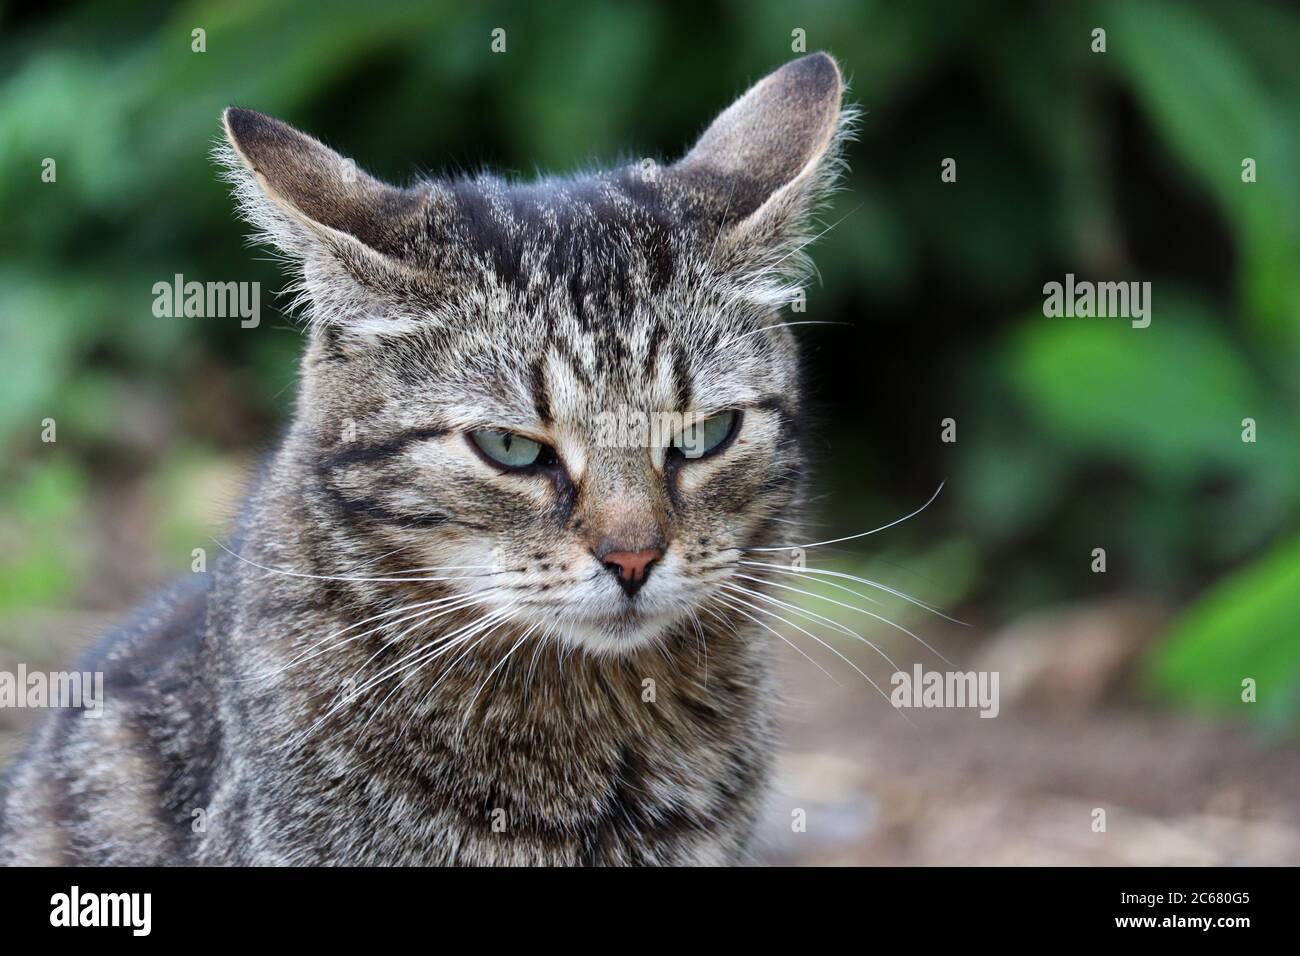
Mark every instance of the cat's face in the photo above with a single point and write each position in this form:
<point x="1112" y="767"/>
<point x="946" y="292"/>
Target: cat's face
<point x="575" y="399"/>
<point x="594" y="414"/>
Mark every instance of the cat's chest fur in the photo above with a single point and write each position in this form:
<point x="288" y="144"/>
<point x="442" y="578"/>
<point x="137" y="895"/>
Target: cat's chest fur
<point x="654" y="759"/>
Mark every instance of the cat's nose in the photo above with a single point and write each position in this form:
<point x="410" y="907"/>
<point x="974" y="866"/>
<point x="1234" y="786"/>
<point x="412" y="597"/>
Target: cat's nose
<point x="631" y="567"/>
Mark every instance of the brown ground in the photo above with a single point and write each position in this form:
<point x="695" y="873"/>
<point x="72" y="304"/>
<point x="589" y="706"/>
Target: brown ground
<point x="951" y="788"/>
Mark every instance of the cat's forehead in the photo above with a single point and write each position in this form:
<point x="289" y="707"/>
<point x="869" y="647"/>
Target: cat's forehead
<point x="606" y="236"/>
<point x="550" y="358"/>
<point x="597" y="291"/>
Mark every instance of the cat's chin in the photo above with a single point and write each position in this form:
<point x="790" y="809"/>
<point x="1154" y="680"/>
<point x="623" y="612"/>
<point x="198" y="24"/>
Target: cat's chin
<point x="616" y="634"/>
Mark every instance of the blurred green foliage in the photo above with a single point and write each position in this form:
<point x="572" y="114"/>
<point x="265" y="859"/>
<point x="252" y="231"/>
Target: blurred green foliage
<point x="1238" y="641"/>
<point x="1073" y="433"/>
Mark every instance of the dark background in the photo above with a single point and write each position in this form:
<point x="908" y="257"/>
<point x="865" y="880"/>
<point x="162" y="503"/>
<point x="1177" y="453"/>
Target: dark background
<point x="1072" y="433"/>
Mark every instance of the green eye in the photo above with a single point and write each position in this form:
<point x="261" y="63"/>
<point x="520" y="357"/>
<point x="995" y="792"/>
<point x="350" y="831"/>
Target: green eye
<point x="506" y="449"/>
<point x="703" y="438"/>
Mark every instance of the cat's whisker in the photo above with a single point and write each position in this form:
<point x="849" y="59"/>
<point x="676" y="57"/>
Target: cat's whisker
<point x="731" y="629"/>
<point x="797" y="649"/>
<point x="878" y="617"/>
<point x="550" y="640"/>
<point x="811" y="616"/>
<point x="822" y="572"/>
<point x="461" y="604"/>
<point x="830" y="584"/>
<point x="786" y="325"/>
<point x="477" y="636"/>
<point x="373" y="580"/>
<point x="480" y="633"/>
<point x="392" y="670"/>
<point x="354" y="693"/>
<point x="862" y="534"/>
<point x="420" y="648"/>
<point x="829" y="647"/>
<point x="568" y="645"/>
<point x="532" y="667"/>
<point x="700" y="640"/>
<point x="306" y="654"/>
<point x="469" y="708"/>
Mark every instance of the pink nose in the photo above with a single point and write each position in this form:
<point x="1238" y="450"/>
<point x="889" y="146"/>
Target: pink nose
<point x="632" y="564"/>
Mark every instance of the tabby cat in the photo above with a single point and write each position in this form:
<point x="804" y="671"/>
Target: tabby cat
<point x="457" y="623"/>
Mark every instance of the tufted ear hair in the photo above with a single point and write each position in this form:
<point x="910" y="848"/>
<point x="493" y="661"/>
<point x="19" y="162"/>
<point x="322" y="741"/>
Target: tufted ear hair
<point x="314" y="188"/>
<point x="766" y="162"/>
<point x="348" y="236"/>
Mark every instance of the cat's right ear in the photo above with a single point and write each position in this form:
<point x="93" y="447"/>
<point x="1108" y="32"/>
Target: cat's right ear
<point x="767" y="162"/>
<point x="342" y="228"/>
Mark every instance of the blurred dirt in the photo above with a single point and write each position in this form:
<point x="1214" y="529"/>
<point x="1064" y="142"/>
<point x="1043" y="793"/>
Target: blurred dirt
<point x="947" y="787"/>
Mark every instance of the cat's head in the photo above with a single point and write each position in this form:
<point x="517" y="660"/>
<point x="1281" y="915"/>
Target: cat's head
<point x="574" y="397"/>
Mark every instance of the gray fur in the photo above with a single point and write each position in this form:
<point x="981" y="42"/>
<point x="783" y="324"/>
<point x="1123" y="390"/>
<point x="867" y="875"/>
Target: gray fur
<point x="527" y="737"/>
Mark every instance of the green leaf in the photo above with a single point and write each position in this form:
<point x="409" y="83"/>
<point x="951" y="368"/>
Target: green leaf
<point x="1169" y="398"/>
<point x="1248" y="626"/>
<point x="1207" y="101"/>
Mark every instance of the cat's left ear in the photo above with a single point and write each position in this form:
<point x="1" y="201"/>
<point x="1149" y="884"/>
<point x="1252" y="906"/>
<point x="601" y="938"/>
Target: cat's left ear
<point x="319" y="192"/>
<point x="347" y="233"/>
<point x="767" y="160"/>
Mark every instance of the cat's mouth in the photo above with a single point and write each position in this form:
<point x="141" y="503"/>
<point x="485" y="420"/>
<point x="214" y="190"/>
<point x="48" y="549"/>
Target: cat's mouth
<point x="606" y="619"/>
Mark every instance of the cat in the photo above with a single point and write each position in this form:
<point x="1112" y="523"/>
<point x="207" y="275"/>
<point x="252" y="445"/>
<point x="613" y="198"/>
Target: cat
<point x="451" y="627"/>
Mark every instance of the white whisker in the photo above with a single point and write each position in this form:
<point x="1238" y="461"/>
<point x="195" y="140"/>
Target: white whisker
<point x="811" y="616"/>
<point x="799" y="650"/>
<point x="469" y="708"/>
<point x="459" y="603"/>
<point x="436" y="649"/>
<point x="822" y="597"/>
<point x="345" y="577"/>
<point x="863" y="534"/>
<point x="306" y="655"/>
<point x="785" y="325"/>
<point x="424" y="654"/>
<point x="440" y="643"/>
<point x="700" y="640"/>
<point x="829" y="647"/>
<point x="345" y="698"/>
<point x="491" y="623"/>
<point x="853" y="577"/>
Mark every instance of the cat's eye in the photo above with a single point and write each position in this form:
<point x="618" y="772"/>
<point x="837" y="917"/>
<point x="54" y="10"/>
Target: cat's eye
<point x="510" y="450"/>
<point x="707" y="437"/>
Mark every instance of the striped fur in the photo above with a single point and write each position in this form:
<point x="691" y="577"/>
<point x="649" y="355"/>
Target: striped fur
<point x="273" y="714"/>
